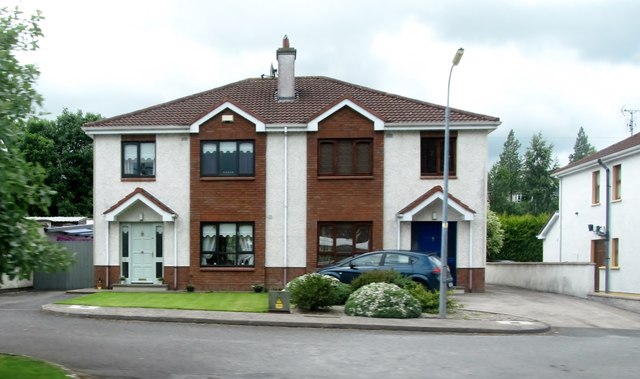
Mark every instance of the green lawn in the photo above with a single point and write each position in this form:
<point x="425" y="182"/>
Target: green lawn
<point x="205" y="301"/>
<point x="16" y="366"/>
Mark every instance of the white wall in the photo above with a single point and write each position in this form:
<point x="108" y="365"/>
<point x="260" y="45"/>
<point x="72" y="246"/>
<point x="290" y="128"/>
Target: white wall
<point x="575" y="279"/>
<point x="171" y="186"/>
<point x="15" y="283"/>
<point x="551" y="244"/>
<point x="297" y="200"/>
<point x="403" y="184"/>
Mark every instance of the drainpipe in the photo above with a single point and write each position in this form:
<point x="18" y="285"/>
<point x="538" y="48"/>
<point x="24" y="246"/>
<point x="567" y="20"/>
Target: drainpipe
<point x="398" y="217"/>
<point x="175" y="253"/>
<point x="470" y="257"/>
<point x="286" y="205"/>
<point x="106" y="281"/>
<point x="607" y="234"/>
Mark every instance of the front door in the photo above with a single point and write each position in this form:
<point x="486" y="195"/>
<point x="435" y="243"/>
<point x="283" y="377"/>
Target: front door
<point x="143" y="252"/>
<point x="598" y="256"/>
<point x="427" y="236"/>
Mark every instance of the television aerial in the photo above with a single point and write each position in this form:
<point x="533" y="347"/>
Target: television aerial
<point x="630" y="112"/>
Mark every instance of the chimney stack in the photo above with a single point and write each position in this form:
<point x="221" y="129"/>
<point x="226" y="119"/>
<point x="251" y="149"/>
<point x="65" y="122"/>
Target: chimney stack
<point x="286" y="71"/>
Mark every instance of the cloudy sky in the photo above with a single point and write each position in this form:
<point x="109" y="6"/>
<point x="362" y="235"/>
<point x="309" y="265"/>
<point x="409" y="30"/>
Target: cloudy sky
<point x="546" y="66"/>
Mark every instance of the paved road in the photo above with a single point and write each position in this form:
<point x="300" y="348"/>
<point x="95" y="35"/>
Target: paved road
<point x="125" y="349"/>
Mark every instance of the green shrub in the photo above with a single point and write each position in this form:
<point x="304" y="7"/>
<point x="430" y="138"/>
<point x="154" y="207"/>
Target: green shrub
<point x="343" y="292"/>
<point x="314" y="291"/>
<point x="381" y="276"/>
<point x="520" y="242"/>
<point x="430" y="300"/>
<point x="383" y="300"/>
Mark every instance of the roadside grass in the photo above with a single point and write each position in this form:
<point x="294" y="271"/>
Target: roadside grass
<point x="202" y="301"/>
<point x="16" y="366"/>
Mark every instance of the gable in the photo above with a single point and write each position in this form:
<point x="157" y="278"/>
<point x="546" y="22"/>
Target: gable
<point x="430" y="197"/>
<point x="135" y="199"/>
<point x="378" y="124"/>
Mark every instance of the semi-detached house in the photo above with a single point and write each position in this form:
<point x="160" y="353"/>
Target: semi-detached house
<point x="265" y="179"/>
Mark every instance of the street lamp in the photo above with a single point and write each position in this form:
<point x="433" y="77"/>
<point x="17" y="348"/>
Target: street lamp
<point x="445" y="197"/>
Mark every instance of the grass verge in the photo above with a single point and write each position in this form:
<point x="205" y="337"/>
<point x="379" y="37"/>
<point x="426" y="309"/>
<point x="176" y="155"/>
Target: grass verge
<point x="202" y="301"/>
<point x="17" y="366"/>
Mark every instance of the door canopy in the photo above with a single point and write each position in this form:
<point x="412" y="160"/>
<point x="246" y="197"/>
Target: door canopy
<point x="144" y="197"/>
<point x="436" y="193"/>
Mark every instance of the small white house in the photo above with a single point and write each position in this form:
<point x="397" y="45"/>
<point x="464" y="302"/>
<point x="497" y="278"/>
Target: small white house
<point x="598" y="216"/>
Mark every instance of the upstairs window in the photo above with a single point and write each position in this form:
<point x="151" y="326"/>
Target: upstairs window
<point x="138" y="159"/>
<point x="617" y="182"/>
<point x="595" y="187"/>
<point x="339" y="240"/>
<point x="227" y="158"/>
<point x="432" y="154"/>
<point x="349" y="157"/>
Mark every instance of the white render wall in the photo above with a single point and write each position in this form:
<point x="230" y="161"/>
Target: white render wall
<point x="402" y="185"/>
<point x="171" y="186"/>
<point x="15" y="283"/>
<point x="297" y="200"/>
<point x="576" y="212"/>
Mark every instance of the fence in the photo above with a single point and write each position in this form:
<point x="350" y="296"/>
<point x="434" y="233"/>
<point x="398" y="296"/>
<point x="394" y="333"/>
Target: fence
<point x="79" y="275"/>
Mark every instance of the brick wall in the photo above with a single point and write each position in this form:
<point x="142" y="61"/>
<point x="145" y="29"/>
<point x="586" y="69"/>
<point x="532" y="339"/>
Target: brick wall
<point x="231" y="199"/>
<point x="477" y="279"/>
<point x="340" y="199"/>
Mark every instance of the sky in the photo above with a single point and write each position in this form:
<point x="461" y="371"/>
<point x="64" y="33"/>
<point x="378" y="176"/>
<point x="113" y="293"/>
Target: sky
<point x="541" y="66"/>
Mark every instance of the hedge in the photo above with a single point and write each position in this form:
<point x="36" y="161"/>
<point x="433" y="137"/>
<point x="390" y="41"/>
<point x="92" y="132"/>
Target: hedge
<point x="520" y="242"/>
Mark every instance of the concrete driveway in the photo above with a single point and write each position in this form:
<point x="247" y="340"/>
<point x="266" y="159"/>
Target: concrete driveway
<point x="552" y="309"/>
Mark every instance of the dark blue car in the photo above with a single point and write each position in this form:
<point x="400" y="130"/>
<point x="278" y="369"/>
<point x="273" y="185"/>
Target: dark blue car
<point x="424" y="268"/>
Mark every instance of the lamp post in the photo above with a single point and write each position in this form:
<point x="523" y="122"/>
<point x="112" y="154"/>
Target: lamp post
<point x="445" y="197"/>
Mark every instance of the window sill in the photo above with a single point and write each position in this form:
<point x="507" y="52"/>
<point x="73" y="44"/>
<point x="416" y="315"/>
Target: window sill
<point x="431" y="177"/>
<point x="228" y="268"/>
<point x="595" y="204"/>
<point x="616" y="268"/>
<point x="141" y="179"/>
<point x="618" y="200"/>
<point x="350" y="177"/>
<point x="225" y="178"/>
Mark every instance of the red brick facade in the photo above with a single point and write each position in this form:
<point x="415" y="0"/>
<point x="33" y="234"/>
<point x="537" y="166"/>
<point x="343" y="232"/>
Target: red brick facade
<point x="471" y="279"/>
<point x="344" y="199"/>
<point x="227" y="199"/>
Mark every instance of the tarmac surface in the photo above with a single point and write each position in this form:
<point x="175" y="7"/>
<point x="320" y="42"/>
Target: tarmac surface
<point x="500" y="310"/>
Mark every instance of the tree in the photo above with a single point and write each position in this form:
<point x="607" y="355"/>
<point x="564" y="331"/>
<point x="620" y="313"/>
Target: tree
<point x="495" y="235"/>
<point x="540" y="190"/>
<point x="22" y="248"/>
<point x="505" y="178"/>
<point x="582" y="147"/>
<point x="66" y="154"/>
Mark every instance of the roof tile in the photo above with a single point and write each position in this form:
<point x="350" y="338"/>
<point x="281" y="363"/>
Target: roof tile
<point x="259" y="98"/>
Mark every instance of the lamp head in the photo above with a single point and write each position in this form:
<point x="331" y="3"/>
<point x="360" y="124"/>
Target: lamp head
<point x="458" y="56"/>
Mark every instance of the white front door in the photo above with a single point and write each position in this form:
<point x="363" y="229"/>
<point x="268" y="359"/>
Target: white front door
<point x="143" y="252"/>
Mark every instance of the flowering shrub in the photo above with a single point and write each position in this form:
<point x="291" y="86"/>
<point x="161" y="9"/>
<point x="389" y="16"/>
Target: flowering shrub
<point x="383" y="300"/>
<point x="311" y="292"/>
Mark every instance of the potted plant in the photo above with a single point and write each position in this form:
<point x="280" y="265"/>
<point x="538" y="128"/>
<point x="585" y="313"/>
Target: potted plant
<point x="122" y="279"/>
<point x="258" y="287"/>
<point x="160" y="279"/>
<point x="190" y="287"/>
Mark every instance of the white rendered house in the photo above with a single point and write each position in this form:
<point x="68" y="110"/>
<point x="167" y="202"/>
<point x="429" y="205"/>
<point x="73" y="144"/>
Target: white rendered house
<point x="581" y="231"/>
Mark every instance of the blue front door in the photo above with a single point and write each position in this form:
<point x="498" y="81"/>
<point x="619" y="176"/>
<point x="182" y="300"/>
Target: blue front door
<point x="427" y="236"/>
